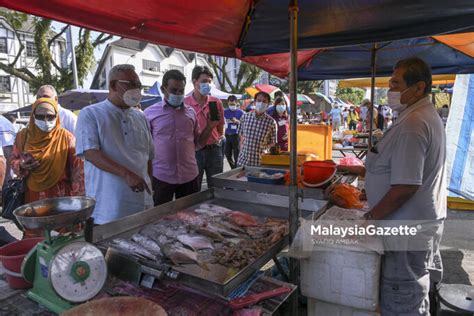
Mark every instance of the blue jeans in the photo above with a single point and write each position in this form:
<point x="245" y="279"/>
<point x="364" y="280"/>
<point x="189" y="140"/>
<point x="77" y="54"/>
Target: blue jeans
<point x="211" y="160"/>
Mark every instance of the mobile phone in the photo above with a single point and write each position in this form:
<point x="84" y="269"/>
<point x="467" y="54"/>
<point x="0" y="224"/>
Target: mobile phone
<point x="213" y="111"/>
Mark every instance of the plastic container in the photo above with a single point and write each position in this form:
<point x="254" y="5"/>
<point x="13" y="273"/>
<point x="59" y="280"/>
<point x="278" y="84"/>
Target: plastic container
<point x="314" y="138"/>
<point x="460" y="204"/>
<point x="268" y="181"/>
<point x="320" y="308"/>
<point x="318" y="172"/>
<point x="12" y="256"/>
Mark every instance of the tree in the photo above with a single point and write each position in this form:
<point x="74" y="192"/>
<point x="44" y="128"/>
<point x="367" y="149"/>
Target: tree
<point x="353" y="95"/>
<point x="304" y="87"/>
<point x="246" y="75"/>
<point x="48" y="71"/>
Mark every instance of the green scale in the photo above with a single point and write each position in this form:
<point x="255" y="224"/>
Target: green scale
<point x="65" y="269"/>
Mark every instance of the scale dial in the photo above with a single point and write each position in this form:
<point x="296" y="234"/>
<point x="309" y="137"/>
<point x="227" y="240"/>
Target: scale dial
<point x="78" y="271"/>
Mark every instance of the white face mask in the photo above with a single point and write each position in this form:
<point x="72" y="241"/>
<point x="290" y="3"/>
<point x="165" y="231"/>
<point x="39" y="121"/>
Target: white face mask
<point x="132" y="97"/>
<point x="175" y="100"/>
<point x="233" y="107"/>
<point x="261" y="107"/>
<point x="280" y="108"/>
<point x="393" y="100"/>
<point x="45" y="126"/>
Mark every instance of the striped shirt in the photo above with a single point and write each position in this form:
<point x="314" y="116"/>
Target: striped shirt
<point x="258" y="133"/>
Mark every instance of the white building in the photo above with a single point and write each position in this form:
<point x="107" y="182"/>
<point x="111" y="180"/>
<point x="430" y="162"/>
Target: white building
<point x="151" y="61"/>
<point x="14" y="92"/>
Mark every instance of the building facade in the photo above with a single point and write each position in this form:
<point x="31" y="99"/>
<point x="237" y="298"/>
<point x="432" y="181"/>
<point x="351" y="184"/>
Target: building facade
<point x="14" y="92"/>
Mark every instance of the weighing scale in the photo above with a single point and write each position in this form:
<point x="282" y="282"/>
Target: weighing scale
<point x="64" y="268"/>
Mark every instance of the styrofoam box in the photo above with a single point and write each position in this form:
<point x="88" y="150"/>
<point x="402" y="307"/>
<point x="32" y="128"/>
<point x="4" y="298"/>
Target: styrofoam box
<point x="342" y="276"/>
<point x="320" y="308"/>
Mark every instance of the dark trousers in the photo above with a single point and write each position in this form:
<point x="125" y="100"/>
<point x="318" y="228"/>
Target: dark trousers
<point x="232" y="149"/>
<point x="164" y="192"/>
<point x="211" y="161"/>
<point x="352" y="125"/>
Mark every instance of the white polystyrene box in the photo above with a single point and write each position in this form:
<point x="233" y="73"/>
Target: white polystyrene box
<point x="320" y="308"/>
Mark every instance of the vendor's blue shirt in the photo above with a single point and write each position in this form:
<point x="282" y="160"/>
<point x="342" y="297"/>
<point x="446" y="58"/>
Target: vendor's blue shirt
<point x="231" y="128"/>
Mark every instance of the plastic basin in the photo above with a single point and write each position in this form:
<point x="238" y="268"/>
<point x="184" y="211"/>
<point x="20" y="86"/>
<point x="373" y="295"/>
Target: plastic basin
<point x="12" y="256"/>
<point x="318" y="172"/>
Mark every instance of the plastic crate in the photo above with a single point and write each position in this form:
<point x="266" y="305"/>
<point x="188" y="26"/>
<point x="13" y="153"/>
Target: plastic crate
<point x="316" y="139"/>
<point x="282" y="160"/>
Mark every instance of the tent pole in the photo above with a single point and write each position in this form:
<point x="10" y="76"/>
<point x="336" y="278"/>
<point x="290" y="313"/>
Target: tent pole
<point x="372" y="93"/>
<point x="294" y="213"/>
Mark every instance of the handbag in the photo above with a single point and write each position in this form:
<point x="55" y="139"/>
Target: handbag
<point x="13" y="194"/>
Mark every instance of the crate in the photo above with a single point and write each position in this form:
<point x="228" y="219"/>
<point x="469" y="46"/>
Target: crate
<point x="320" y="308"/>
<point x="283" y="160"/>
<point x="316" y="139"/>
<point x="460" y="204"/>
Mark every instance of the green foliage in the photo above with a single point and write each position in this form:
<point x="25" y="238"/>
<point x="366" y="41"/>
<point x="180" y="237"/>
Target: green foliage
<point x="246" y="75"/>
<point x="303" y="87"/>
<point x="353" y="95"/>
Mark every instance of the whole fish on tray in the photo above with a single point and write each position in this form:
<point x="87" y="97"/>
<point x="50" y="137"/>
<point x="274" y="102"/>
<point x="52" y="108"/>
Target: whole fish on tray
<point x="148" y="243"/>
<point x="133" y="248"/>
<point x="202" y="230"/>
<point x="215" y="209"/>
<point x="196" y="242"/>
<point x="180" y="255"/>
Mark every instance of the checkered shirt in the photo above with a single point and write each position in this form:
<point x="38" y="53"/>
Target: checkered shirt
<point x="258" y="132"/>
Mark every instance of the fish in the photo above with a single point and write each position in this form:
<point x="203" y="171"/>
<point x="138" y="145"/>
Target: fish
<point x="148" y="243"/>
<point x="216" y="227"/>
<point x="188" y="217"/>
<point x="242" y="219"/>
<point x="196" y="242"/>
<point x="132" y="247"/>
<point x="216" y="209"/>
<point x="180" y="255"/>
<point x="226" y="222"/>
<point x="201" y="230"/>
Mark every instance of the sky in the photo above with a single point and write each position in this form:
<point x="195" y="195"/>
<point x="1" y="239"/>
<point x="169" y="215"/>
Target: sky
<point x="57" y="27"/>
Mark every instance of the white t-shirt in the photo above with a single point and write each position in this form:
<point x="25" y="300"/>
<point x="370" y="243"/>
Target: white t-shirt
<point x="364" y="110"/>
<point x="124" y="136"/>
<point x="412" y="152"/>
<point x="7" y="133"/>
<point x="68" y="119"/>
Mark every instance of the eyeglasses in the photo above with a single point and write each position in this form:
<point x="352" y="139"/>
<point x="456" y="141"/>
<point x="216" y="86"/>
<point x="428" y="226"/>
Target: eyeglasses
<point x="47" y="117"/>
<point x="133" y="84"/>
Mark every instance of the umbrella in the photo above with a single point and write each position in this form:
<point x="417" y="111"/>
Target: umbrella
<point x="382" y="82"/>
<point x="266" y="88"/>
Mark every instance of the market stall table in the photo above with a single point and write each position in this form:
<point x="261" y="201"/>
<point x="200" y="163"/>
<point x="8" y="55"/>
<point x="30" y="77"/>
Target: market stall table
<point x="358" y="152"/>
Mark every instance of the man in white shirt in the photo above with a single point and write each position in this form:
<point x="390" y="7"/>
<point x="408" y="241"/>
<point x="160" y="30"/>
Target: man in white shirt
<point x="66" y="117"/>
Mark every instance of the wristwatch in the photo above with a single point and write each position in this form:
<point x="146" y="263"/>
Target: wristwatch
<point x="368" y="216"/>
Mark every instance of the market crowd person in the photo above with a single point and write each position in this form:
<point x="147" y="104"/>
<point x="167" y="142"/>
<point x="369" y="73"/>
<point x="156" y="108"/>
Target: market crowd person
<point x="364" y="111"/>
<point x="336" y="117"/>
<point x="176" y="135"/>
<point x="280" y="115"/>
<point x="209" y="158"/>
<point x="258" y="131"/>
<point x="7" y="139"/>
<point x="352" y="119"/>
<point x="66" y="117"/>
<point x="444" y="113"/>
<point x="116" y="143"/>
<point x="405" y="181"/>
<point x="45" y="155"/>
<point x="232" y="115"/>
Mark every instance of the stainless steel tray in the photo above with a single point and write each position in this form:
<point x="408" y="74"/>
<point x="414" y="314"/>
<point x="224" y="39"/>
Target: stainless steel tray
<point x="217" y="281"/>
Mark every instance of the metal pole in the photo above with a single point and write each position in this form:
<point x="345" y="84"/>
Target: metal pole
<point x="294" y="214"/>
<point x="372" y="93"/>
<point x="73" y="57"/>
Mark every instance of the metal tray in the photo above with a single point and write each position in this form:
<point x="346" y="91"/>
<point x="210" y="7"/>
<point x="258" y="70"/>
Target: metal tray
<point x="217" y="281"/>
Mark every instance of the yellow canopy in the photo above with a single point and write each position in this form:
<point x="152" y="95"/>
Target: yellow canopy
<point x="382" y="82"/>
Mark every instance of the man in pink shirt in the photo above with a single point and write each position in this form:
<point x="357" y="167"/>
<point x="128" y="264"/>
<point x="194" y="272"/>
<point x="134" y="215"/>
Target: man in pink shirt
<point x="176" y="136"/>
<point x="209" y="158"/>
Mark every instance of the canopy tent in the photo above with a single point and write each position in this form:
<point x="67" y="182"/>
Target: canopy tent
<point x="382" y="82"/>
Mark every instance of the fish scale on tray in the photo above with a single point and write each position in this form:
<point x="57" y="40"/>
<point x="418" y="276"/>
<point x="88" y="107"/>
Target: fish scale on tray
<point x="208" y="234"/>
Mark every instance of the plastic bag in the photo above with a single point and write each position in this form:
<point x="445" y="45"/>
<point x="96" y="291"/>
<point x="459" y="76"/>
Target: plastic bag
<point x="345" y="195"/>
<point x="351" y="161"/>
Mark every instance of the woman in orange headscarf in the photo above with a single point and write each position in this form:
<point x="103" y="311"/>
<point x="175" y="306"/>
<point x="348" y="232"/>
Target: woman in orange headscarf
<point x="45" y="155"/>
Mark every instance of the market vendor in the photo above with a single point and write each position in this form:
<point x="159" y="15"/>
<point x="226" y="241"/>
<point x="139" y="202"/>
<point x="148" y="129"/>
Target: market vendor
<point x="258" y="131"/>
<point x="280" y="115"/>
<point x="210" y="158"/>
<point x="116" y="143"/>
<point x="176" y="135"/>
<point x="405" y="181"/>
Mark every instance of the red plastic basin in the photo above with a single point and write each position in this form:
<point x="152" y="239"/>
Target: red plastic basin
<point x="315" y="172"/>
<point x="12" y="256"/>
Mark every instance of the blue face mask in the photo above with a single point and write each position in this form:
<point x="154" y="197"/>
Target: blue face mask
<point x="175" y="100"/>
<point x="204" y="88"/>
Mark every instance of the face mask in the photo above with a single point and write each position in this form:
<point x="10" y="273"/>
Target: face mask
<point x="175" y="100"/>
<point x="393" y="100"/>
<point x="45" y="126"/>
<point x="280" y="108"/>
<point x="204" y="88"/>
<point x="261" y="107"/>
<point x="132" y="97"/>
<point x="233" y="107"/>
